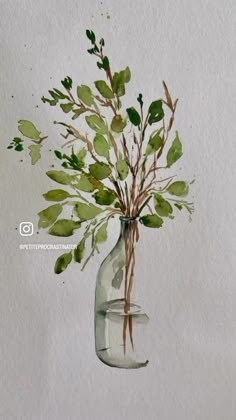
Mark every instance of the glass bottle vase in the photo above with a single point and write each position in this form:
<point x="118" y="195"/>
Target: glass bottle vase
<point x="120" y="323"/>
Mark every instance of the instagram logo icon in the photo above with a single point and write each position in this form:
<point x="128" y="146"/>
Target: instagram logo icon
<point x="26" y="229"/>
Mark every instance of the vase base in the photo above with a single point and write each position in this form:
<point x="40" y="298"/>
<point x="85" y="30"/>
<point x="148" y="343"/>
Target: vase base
<point x="125" y="363"/>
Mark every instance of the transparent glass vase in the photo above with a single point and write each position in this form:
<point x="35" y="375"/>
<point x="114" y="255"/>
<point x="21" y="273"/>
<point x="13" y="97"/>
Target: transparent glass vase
<point x="120" y="323"/>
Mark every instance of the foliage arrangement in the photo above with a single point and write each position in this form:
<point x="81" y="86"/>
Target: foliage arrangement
<point x="113" y="167"/>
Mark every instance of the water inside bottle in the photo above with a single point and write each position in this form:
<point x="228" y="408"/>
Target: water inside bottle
<point x="120" y="334"/>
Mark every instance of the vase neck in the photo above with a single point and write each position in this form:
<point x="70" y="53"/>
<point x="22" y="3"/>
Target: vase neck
<point x="126" y="223"/>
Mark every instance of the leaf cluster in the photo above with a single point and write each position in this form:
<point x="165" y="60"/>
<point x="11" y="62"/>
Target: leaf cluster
<point x="113" y="168"/>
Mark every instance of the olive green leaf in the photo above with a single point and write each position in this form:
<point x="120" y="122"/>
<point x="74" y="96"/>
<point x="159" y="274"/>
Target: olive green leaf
<point x="62" y="262"/>
<point x="151" y="220"/>
<point x="49" y="215"/>
<point x="104" y="89"/>
<point x="134" y="116"/>
<point x="96" y="123"/>
<point x="34" y="153"/>
<point x="175" y="151"/>
<point x="66" y="107"/>
<point x="87" y="211"/>
<point x="64" y="227"/>
<point x="99" y="170"/>
<point x="60" y="94"/>
<point x="79" y="251"/>
<point x="77" y="112"/>
<point x="105" y="197"/>
<point x="82" y="153"/>
<point x="84" y="183"/>
<point x="56" y="96"/>
<point x="101" y="235"/>
<point x="155" y="112"/>
<point x="155" y="142"/>
<point x="93" y="181"/>
<point x="28" y="129"/>
<point x="104" y="64"/>
<point x="122" y="168"/>
<point x="162" y="206"/>
<point x="126" y="75"/>
<point x="118" y="84"/>
<point x="178" y="188"/>
<point x="60" y="177"/>
<point x="118" y="124"/>
<point x="119" y="80"/>
<point x="101" y="146"/>
<point x="56" y="195"/>
<point x="85" y="94"/>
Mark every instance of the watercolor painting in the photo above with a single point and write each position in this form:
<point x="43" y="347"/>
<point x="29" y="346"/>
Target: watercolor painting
<point x="120" y="166"/>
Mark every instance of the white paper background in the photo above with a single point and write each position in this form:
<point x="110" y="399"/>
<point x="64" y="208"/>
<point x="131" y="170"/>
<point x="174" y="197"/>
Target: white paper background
<point x="186" y="272"/>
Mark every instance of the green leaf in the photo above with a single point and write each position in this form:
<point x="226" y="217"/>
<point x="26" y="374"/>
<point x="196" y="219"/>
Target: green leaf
<point x="175" y="151"/>
<point x="134" y="116"/>
<point x="151" y="220"/>
<point x="62" y="262"/>
<point x="155" y="142"/>
<point x="79" y="251"/>
<point x="119" y="80"/>
<point x="162" y="206"/>
<point x="60" y="177"/>
<point x="67" y="83"/>
<point x="117" y="205"/>
<point x="118" y="124"/>
<point x="85" y="94"/>
<point x="101" y="146"/>
<point x="64" y="227"/>
<point x="91" y="36"/>
<point x="34" y="152"/>
<point x="96" y="123"/>
<point x="56" y="195"/>
<point x="58" y="154"/>
<point x="155" y="112"/>
<point x="178" y="188"/>
<point x="87" y="211"/>
<point x="66" y="107"/>
<point x="101" y="235"/>
<point x="99" y="170"/>
<point x="49" y="215"/>
<point x="122" y="168"/>
<point x="105" y="63"/>
<point x="28" y="129"/>
<point x="105" y="197"/>
<point x="104" y="89"/>
<point x="19" y="148"/>
<point x="84" y="184"/>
